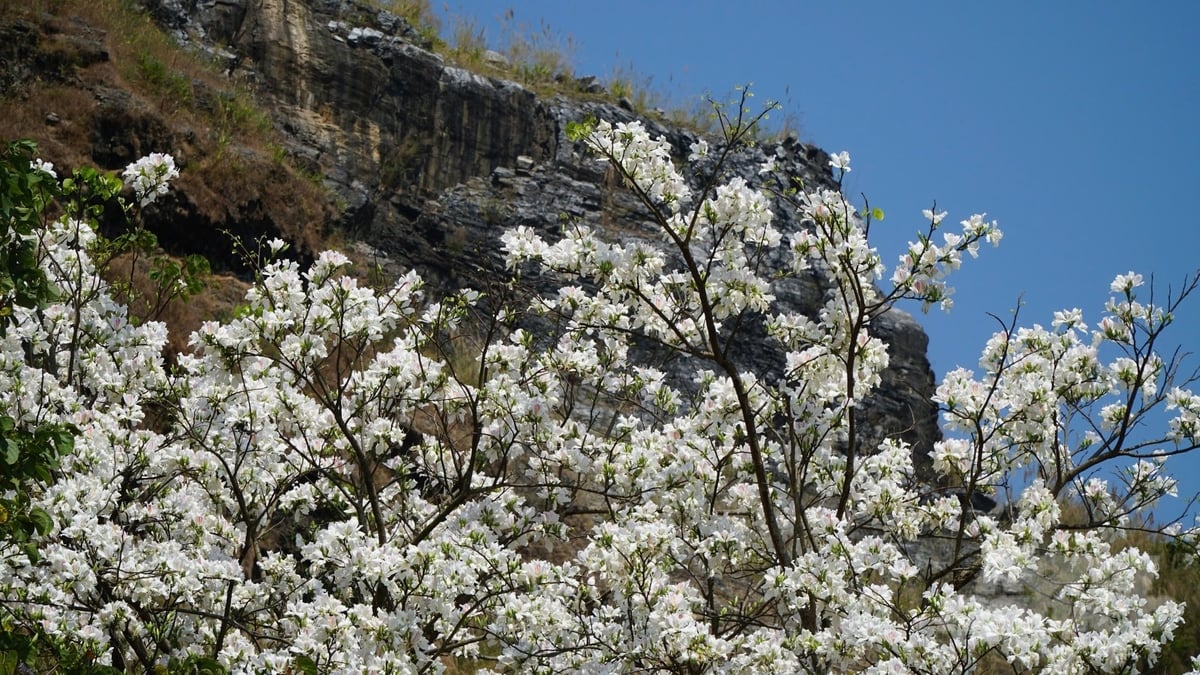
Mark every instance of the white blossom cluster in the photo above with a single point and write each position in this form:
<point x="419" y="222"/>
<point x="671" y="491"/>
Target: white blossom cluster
<point x="150" y="176"/>
<point x="343" y="477"/>
<point x="924" y="267"/>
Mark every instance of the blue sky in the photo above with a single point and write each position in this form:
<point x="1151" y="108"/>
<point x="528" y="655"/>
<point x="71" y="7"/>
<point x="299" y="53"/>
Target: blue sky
<point x="1072" y="123"/>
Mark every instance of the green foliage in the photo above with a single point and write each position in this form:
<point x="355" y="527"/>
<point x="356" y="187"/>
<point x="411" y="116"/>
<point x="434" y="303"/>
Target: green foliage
<point x="30" y="453"/>
<point x="169" y="85"/>
<point x="235" y="115"/>
<point x="85" y="194"/>
<point x="541" y="58"/>
<point x="195" y="665"/>
<point x="305" y="665"/>
<point x="577" y="131"/>
<point x="26" y="457"/>
<point x="24" y="652"/>
<point x="185" y="277"/>
<point x="469" y="42"/>
<point x="626" y="83"/>
<point x="171" y="278"/>
<point x="418" y="13"/>
<point x="1179" y="580"/>
<point x="540" y="55"/>
<point x="24" y="194"/>
<point x="871" y="213"/>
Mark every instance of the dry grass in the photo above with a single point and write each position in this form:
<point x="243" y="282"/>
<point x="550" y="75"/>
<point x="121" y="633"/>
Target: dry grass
<point x="1178" y="579"/>
<point x="103" y="69"/>
<point x="221" y="296"/>
<point x="232" y="160"/>
<point x="64" y="143"/>
<point x="418" y="13"/>
<point x="542" y="58"/>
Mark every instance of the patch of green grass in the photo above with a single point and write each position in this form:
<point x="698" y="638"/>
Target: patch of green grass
<point x="167" y="83"/>
<point x="468" y="43"/>
<point x="540" y="55"/>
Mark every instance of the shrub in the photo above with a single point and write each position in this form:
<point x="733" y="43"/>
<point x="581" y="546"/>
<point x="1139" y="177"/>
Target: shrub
<point x="330" y="483"/>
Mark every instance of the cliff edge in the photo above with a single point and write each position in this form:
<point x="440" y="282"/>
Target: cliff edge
<point x="425" y="161"/>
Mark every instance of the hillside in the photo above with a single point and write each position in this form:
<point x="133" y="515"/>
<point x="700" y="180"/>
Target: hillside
<point x="326" y="123"/>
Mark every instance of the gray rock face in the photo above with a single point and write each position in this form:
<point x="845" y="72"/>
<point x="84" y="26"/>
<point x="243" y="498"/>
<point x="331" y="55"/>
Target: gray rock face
<point x="433" y="162"/>
<point x="385" y="120"/>
<point x="26" y="61"/>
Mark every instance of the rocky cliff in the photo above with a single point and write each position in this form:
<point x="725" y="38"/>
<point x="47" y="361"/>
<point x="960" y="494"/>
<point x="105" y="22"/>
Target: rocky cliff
<point x="429" y="162"/>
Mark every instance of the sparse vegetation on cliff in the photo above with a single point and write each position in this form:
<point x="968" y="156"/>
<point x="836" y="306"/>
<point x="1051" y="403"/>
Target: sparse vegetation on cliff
<point x="537" y="55"/>
<point x="98" y="82"/>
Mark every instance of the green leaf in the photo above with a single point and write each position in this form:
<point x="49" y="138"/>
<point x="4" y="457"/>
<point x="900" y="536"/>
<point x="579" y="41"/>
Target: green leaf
<point x="577" y="131"/>
<point x="30" y="550"/>
<point x="876" y="213"/>
<point x="196" y="665"/>
<point x="305" y="665"/>
<point x="64" y="440"/>
<point x="41" y="520"/>
<point x="9" y="662"/>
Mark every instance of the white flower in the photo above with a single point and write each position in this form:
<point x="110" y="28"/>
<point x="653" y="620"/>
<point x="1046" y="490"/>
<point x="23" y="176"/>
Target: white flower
<point x="1124" y="283"/>
<point x="840" y="161"/>
<point x="935" y="218"/>
<point x="42" y="166"/>
<point x="150" y="175"/>
<point x="1072" y="318"/>
<point x="430" y="474"/>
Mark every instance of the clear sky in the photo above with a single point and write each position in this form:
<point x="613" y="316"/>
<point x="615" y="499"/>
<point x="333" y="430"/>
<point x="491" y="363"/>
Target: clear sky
<point x="1072" y="123"/>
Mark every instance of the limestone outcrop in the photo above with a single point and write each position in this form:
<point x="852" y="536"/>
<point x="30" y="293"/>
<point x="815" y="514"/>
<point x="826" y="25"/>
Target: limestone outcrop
<point x="428" y="163"/>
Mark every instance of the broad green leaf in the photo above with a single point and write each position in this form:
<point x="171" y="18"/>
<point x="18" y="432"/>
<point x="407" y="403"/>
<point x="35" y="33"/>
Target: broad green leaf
<point x="41" y="520"/>
<point x="306" y="665"/>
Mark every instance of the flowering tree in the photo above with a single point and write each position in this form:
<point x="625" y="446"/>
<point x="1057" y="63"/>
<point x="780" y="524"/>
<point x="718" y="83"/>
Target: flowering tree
<point x="349" y="479"/>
